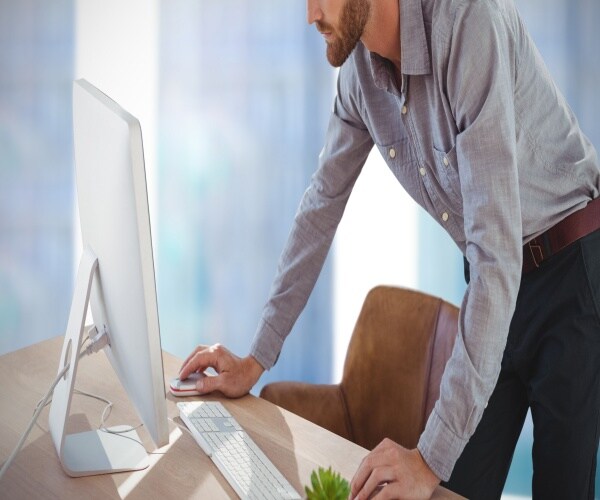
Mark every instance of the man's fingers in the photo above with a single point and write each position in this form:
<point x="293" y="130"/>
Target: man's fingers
<point x="379" y="477"/>
<point x="376" y="458"/>
<point x="361" y="475"/>
<point x="209" y="384"/>
<point x="200" y="361"/>
<point x="193" y="353"/>
<point x="387" y="490"/>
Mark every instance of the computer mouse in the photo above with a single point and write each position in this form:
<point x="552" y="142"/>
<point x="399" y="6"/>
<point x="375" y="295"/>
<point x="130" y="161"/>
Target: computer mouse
<point x="186" y="387"/>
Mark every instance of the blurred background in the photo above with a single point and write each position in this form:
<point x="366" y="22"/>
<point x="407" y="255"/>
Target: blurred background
<point x="233" y="98"/>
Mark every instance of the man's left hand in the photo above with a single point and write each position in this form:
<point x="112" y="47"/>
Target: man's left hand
<point x="391" y="471"/>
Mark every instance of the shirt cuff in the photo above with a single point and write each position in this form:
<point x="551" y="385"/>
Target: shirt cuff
<point x="266" y="345"/>
<point x="440" y="447"/>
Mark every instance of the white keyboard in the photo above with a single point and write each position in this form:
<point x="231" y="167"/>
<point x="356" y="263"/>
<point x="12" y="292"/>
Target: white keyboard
<point x="244" y="465"/>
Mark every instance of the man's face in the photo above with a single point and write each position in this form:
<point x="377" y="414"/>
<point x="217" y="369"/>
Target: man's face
<point x="343" y="35"/>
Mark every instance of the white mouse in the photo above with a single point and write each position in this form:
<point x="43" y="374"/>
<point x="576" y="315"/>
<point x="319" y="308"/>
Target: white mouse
<point x="186" y="387"/>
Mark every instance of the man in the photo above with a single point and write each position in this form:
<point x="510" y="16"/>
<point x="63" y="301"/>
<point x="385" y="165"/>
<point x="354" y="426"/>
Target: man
<point x="458" y="101"/>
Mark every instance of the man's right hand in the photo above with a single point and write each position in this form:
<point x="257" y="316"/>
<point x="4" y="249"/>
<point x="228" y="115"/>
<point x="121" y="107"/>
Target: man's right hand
<point x="235" y="376"/>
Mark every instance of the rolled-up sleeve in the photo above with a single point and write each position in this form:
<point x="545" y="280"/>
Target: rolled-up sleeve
<point x="347" y="146"/>
<point x="481" y="66"/>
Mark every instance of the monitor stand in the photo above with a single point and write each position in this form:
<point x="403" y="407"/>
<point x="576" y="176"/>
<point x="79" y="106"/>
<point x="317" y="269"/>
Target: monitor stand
<point x="92" y="452"/>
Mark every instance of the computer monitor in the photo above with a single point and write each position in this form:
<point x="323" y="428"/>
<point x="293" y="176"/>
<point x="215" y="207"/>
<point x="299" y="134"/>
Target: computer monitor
<point x="116" y="277"/>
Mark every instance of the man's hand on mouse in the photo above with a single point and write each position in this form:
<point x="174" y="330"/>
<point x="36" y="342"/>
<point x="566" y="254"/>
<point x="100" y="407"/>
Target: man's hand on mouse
<point x="235" y="376"/>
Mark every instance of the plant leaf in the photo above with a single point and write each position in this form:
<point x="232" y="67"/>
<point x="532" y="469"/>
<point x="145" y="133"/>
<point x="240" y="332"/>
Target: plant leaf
<point x="327" y="485"/>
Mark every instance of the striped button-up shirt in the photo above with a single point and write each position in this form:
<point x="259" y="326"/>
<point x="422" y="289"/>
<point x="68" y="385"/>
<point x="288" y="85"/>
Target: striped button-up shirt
<point x="479" y="135"/>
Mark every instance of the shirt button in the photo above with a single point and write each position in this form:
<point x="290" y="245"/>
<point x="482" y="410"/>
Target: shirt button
<point x="392" y="153"/>
<point x="446" y="162"/>
<point x="445" y="216"/>
<point x="422" y="171"/>
<point x="404" y="110"/>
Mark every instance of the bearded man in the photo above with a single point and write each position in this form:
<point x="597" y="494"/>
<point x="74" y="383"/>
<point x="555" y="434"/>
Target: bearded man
<point x="458" y="101"/>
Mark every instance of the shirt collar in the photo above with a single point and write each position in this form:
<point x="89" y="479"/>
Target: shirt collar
<point x="414" y="50"/>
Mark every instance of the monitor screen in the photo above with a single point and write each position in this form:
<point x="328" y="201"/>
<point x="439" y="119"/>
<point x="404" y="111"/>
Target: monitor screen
<point x="115" y="224"/>
<point x="116" y="281"/>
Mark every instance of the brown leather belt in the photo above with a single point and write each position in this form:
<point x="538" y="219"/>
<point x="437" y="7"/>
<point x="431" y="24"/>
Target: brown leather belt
<point x="575" y="226"/>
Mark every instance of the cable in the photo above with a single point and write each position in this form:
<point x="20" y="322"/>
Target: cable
<point x="32" y="422"/>
<point x="105" y="413"/>
<point x="99" y="340"/>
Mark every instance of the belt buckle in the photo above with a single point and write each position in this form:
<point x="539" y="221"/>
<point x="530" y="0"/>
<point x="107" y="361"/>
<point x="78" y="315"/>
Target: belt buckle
<point x="534" y="245"/>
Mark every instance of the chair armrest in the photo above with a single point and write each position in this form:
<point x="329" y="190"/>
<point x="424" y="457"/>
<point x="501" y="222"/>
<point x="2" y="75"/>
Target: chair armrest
<point x="323" y="405"/>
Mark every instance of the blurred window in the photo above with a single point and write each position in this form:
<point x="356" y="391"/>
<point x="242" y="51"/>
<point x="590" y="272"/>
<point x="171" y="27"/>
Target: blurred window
<point x="245" y="96"/>
<point x="36" y="177"/>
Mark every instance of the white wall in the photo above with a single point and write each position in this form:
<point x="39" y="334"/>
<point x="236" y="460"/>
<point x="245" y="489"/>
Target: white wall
<point x="116" y="49"/>
<point x="376" y="243"/>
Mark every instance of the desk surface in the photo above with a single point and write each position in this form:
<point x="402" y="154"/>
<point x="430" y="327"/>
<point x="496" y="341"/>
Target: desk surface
<point x="178" y="470"/>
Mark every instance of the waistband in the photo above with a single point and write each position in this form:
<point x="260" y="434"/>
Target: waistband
<point x="567" y="231"/>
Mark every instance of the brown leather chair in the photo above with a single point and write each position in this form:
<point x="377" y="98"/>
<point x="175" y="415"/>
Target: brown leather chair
<point x="395" y="360"/>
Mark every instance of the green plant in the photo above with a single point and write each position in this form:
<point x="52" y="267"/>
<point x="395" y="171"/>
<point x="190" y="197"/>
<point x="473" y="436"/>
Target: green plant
<point x="327" y="485"/>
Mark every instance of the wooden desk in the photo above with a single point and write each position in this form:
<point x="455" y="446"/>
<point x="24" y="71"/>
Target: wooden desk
<point x="178" y="470"/>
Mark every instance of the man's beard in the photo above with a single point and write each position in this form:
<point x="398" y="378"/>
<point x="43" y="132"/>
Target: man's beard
<point x="353" y="19"/>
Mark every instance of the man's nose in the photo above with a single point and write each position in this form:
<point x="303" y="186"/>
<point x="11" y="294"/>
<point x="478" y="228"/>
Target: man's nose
<point x="313" y="11"/>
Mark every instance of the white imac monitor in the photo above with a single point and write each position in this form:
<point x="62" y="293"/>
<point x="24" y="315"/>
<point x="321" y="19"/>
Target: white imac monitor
<point x="116" y="278"/>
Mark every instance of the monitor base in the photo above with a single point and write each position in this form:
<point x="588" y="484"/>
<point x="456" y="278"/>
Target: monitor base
<point x="100" y="452"/>
<point x="92" y="452"/>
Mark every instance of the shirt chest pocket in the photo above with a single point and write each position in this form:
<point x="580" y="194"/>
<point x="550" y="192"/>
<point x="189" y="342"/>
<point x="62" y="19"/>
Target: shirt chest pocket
<point x="446" y="167"/>
<point x="398" y="155"/>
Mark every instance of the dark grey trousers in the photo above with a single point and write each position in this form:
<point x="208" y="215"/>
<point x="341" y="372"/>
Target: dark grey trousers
<point x="551" y="364"/>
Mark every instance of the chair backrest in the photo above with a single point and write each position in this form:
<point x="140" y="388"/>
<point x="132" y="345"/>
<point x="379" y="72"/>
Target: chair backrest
<point x="396" y="357"/>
